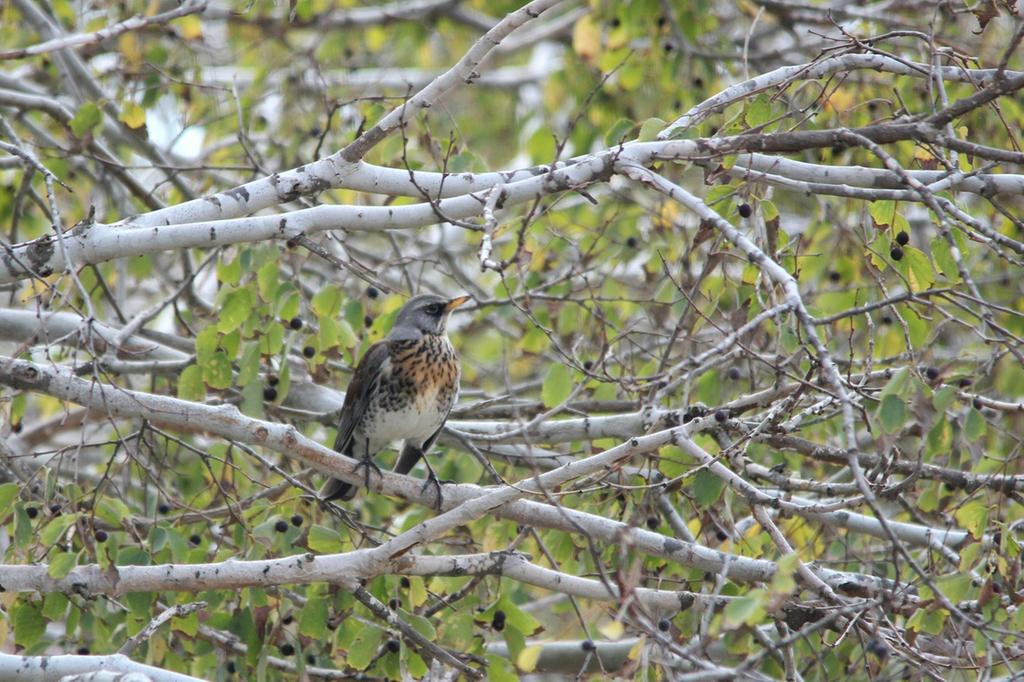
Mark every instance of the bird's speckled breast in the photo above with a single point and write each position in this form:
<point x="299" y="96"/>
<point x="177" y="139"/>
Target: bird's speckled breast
<point x="418" y="386"/>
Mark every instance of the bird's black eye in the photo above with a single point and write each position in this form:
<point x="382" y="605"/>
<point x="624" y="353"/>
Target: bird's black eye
<point x="434" y="309"/>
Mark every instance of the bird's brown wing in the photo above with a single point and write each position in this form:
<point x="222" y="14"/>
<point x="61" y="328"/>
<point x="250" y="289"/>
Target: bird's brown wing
<point x="359" y="393"/>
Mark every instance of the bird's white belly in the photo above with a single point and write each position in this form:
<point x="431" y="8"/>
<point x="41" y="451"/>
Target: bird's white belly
<point x="410" y="424"/>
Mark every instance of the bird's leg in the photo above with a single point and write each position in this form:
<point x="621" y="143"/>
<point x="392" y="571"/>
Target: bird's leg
<point x="366" y="462"/>
<point x="433" y="480"/>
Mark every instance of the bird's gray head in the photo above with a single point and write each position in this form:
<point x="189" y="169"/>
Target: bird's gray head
<point x="425" y="314"/>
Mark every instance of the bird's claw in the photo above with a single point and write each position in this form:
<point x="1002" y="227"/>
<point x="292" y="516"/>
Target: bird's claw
<point x="432" y="480"/>
<point x="367" y="463"/>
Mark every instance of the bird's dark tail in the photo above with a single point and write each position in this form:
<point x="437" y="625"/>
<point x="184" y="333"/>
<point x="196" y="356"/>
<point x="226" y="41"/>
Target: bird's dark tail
<point x="407" y="460"/>
<point x="336" y="489"/>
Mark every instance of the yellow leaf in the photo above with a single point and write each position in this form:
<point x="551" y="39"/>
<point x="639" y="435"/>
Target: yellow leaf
<point x="128" y="45"/>
<point x="613" y="630"/>
<point x="637" y="649"/>
<point x="191" y="27"/>
<point x="586" y="38"/>
<point x="528" y="658"/>
<point x="133" y="115"/>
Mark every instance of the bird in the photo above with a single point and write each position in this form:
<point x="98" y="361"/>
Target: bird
<point x="402" y="389"/>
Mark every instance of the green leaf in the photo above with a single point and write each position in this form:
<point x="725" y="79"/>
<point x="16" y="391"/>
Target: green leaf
<point x="541" y="146"/>
<point x="940" y="437"/>
<point x="759" y="111"/>
<point x="892" y="413"/>
<point x="207" y="341"/>
<point x="87" y="118"/>
<point x="882" y="212"/>
<point x="364" y="648"/>
<point x="707" y="488"/>
<point x="944" y="259"/>
<point x="190" y="384"/>
<point x="619" y="132"/>
<point x="944" y="397"/>
<point x="557" y="385"/>
<point x="8" y="493"/>
<point x="268" y="281"/>
<point x="973" y="516"/>
<point x="955" y="587"/>
<point x="324" y="540"/>
<point x="650" y="128"/>
<point x="236" y="309"/>
<point x="974" y="425"/>
<point x="746" y="610"/>
<point x="313" y="621"/>
<point x="61" y="565"/>
<point x="917" y="268"/>
<point x="500" y="669"/>
<point x="217" y="371"/>
<point x="29" y="624"/>
<point x="327" y="302"/>
<point x="899" y="384"/>
<point x="56" y="528"/>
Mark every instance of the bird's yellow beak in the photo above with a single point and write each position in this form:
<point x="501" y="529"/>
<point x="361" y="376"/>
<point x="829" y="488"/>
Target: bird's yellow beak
<point x="455" y="303"/>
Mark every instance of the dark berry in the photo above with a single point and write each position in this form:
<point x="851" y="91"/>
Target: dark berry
<point x="393" y="646"/>
<point x="902" y="238"/>
<point x="292" y="243"/>
<point x="721" y="416"/>
<point x="368" y="321"/>
<point x="55" y="509"/>
<point x="372" y="292"/>
<point x="287" y="649"/>
<point x="965" y="382"/>
<point x="662" y="20"/>
<point x="101" y="536"/>
<point x="393" y="604"/>
<point x="281" y="526"/>
<point x="721" y="535"/>
<point x="498" y="620"/>
<point x="310" y="659"/>
<point x="631" y="242"/>
<point x="746" y="211"/>
<point x="698" y="82"/>
<point x="896" y="253"/>
<point x="309" y="351"/>
<point x="288" y="620"/>
<point x="32" y="512"/>
<point x="653" y="522"/>
<point x="83" y="651"/>
<point x="195" y="539"/>
<point x="976" y="403"/>
<point x="230" y="667"/>
<point x="664" y="624"/>
<point x="270" y="394"/>
<point x="273" y="379"/>
<point x="295" y="323"/>
<point x="668" y="47"/>
<point x="164" y="508"/>
<point x="734" y="373"/>
<point x="886" y="319"/>
<point x="314" y="132"/>
<point x="931" y="373"/>
<point x="588" y="365"/>
<point x="615" y="22"/>
<point x="297" y="520"/>
<point x="587" y="645"/>
<point x="404" y="583"/>
<point x="834" y="276"/>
